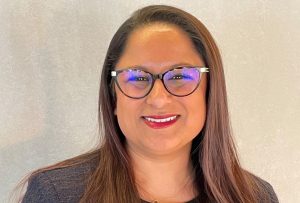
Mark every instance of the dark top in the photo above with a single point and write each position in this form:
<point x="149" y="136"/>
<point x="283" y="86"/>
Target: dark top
<point x="66" y="185"/>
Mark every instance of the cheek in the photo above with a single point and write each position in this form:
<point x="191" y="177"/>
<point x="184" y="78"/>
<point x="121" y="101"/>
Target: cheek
<point x="123" y="106"/>
<point x="199" y="102"/>
<point x="120" y="101"/>
<point x="122" y="113"/>
<point x="196" y="111"/>
<point x="127" y="113"/>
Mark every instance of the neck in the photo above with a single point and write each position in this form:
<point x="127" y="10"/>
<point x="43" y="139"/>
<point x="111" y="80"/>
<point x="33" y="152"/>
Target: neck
<point x="165" y="178"/>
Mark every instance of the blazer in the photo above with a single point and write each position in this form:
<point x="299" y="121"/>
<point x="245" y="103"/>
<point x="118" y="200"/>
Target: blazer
<point x="66" y="185"/>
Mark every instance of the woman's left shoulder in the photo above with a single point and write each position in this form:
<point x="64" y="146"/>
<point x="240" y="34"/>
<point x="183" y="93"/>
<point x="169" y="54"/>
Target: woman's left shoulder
<point x="268" y="188"/>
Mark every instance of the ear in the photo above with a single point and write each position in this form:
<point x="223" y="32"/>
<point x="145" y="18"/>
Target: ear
<point x="115" y="111"/>
<point x="114" y="96"/>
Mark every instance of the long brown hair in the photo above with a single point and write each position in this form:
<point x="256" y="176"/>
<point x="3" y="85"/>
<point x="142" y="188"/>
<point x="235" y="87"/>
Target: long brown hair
<point x="219" y="176"/>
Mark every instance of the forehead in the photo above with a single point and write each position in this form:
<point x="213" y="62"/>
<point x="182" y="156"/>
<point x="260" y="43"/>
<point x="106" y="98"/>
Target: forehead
<point x="159" y="45"/>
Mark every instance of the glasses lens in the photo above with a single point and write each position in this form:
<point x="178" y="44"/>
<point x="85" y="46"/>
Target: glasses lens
<point x="134" y="83"/>
<point x="182" y="81"/>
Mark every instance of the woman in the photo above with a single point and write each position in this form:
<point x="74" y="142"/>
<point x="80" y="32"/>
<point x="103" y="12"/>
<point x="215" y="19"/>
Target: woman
<point x="163" y="109"/>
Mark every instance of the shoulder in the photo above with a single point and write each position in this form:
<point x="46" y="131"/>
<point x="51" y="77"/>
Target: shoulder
<point x="267" y="189"/>
<point x="59" y="185"/>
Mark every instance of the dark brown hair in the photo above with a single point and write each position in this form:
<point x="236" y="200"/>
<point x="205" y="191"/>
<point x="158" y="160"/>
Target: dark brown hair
<point x="219" y="176"/>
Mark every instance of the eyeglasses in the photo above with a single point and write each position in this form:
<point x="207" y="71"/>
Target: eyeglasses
<point x="179" y="81"/>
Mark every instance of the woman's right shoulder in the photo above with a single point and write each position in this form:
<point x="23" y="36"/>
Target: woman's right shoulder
<point x="62" y="184"/>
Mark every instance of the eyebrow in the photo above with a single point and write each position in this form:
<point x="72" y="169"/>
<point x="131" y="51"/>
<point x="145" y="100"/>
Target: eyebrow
<point x="145" y="68"/>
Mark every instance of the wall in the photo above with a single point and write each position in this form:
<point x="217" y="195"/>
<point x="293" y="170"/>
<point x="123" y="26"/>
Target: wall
<point x="51" y="53"/>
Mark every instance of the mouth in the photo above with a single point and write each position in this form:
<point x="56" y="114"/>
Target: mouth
<point x="160" y="121"/>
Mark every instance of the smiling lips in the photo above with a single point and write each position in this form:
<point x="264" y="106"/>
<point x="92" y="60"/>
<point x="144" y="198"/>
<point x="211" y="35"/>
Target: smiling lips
<point x="160" y="121"/>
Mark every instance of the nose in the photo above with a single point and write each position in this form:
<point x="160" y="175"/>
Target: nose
<point x="159" y="97"/>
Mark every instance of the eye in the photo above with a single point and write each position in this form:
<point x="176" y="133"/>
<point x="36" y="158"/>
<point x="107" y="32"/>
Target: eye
<point x="138" y="78"/>
<point x="180" y="77"/>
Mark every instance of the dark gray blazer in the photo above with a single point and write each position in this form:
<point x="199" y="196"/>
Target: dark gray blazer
<point x="67" y="185"/>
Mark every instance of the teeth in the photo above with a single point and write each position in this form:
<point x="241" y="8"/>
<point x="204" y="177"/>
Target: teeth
<point x="160" y="120"/>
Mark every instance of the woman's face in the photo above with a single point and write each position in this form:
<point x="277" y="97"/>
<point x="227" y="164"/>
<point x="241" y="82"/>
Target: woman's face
<point x="158" y="47"/>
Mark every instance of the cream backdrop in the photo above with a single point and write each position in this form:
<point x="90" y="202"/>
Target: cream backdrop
<point x="51" y="53"/>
